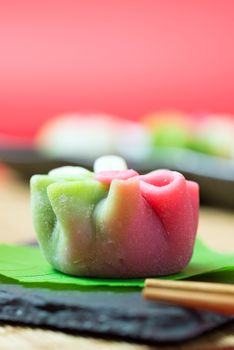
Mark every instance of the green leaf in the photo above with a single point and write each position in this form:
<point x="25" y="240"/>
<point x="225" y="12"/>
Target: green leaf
<point x="27" y="265"/>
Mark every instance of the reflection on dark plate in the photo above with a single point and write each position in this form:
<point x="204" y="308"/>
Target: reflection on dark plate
<point x="215" y="175"/>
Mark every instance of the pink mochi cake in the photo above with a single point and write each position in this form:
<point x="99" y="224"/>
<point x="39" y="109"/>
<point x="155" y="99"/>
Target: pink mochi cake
<point x="115" y="224"/>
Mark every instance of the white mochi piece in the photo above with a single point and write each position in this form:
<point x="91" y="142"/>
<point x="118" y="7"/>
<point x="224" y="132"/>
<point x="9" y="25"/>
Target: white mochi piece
<point x="109" y="163"/>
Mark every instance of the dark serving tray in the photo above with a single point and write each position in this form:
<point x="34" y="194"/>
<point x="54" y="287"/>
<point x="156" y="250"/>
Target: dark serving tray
<point x="214" y="175"/>
<point x="104" y="312"/>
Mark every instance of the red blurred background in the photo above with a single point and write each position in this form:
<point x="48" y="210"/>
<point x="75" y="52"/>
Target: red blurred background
<point x="126" y="57"/>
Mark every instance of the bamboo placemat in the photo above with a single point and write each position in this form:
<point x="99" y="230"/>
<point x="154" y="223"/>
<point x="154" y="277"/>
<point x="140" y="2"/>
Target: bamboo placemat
<point x="23" y="338"/>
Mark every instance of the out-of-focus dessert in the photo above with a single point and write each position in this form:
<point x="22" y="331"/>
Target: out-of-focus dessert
<point x="88" y="136"/>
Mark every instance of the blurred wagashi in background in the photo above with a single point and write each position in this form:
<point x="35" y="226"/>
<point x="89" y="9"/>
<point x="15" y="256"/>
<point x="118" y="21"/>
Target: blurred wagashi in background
<point x="214" y="134"/>
<point x="88" y="136"/>
<point x="207" y="133"/>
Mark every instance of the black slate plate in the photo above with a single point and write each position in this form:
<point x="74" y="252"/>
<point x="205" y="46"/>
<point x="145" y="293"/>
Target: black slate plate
<point x="106" y="313"/>
<point x="214" y="175"/>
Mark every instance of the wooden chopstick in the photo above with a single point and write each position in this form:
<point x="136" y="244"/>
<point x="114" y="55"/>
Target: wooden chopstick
<point x="201" y="295"/>
<point x="191" y="285"/>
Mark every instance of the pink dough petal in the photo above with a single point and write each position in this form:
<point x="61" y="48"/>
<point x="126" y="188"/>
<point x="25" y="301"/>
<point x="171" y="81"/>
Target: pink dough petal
<point x="170" y="198"/>
<point x="167" y="193"/>
<point x="106" y="177"/>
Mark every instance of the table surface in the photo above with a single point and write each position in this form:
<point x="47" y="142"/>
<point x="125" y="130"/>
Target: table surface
<point x="216" y="228"/>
